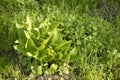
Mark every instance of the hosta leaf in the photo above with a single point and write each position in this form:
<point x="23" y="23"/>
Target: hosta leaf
<point x="36" y="33"/>
<point x="29" y="23"/>
<point x="44" y="23"/>
<point x="67" y="57"/>
<point x="33" y="44"/>
<point x="66" y="70"/>
<point x="30" y="46"/>
<point x="56" y="36"/>
<point x="48" y="58"/>
<point x="63" y="45"/>
<point x="42" y="54"/>
<point x="16" y="41"/>
<point x="36" y="55"/>
<point x="20" y="48"/>
<point x="33" y="70"/>
<point x="54" y="67"/>
<point x="26" y="44"/>
<point x="50" y="40"/>
<point x="21" y="36"/>
<point x="29" y="54"/>
<point x="50" y="52"/>
<point x="73" y="51"/>
<point x="39" y="70"/>
<point x="34" y="67"/>
<point x="19" y="26"/>
<point x="44" y="42"/>
<point x="60" y="55"/>
<point x="53" y="26"/>
<point x="27" y="34"/>
<point x="15" y="47"/>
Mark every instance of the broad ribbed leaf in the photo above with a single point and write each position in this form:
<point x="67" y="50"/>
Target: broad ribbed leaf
<point x="62" y="45"/>
<point x="53" y="26"/>
<point x="56" y="36"/>
<point x="42" y="54"/>
<point x="44" y="42"/>
<point x="30" y="46"/>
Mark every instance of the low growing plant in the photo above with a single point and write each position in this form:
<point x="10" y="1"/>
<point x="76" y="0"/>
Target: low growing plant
<point x="45" y="50"/>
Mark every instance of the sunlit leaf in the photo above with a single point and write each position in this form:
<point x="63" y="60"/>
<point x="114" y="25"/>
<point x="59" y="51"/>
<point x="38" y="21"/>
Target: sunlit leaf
<point x="19" y="26"/>
<point x="60" y="55"/>
<point x="44" y="23"/>
<point x="63" y="45"/>
<point x="54" y="67"/>
<point x="32" y="68"/>
<point x="29" y="54"/>
<point x="43" y="44"/>
<point x="29" y="23"/>
<point x="39" y="70"/>
<point x="73" y="51"/>
<point x="53" y="26"/>
<point x="27" y="34"/>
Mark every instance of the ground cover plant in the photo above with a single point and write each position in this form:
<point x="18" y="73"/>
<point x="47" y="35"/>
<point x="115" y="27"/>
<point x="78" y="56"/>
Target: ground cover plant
<point x="67" y="39"/>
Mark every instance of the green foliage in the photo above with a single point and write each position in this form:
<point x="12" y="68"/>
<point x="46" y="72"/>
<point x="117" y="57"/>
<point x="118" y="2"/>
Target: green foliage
<point x="5" y="67"/>
<point x="8" y="71"/>
<point x="59" y="36"/>
<point x="44" y="44"/>
<point x="92" y="36"/>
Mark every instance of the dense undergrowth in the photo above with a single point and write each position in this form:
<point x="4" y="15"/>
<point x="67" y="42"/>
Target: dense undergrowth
<point x="59" y="40"/>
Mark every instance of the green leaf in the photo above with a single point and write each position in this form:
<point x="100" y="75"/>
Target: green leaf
<point x="44" y="23"/>
<point x="29" y="54"/>
<point x="54" y="67"/>
<point x="20" y="48"/>
<point x="19" y="26"/>
<point x="29" y="23"/>
<point x="32" y="69"/>
<point x="43" y="44"/>
<point x="48" y="58"/>
<point x="60" y="55"/>
<point x="27" y="34"/>
<point x="30" y="46"/>
<point x="42" y="54"/>
<point x="73" y="51"/>
<point x="21" y="36"/>
<point x="56" y="36"/>
<point x="53" y="26"/>
<point x="39" y="70"/>
<point x="50" y="52"/>
<point x="63" y="45"/>
<point x="36" y="33"/>
<point x="67" y="57"/>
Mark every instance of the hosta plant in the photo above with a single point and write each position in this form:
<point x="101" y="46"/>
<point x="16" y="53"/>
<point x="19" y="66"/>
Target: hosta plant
<point x="44" y="49"/>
